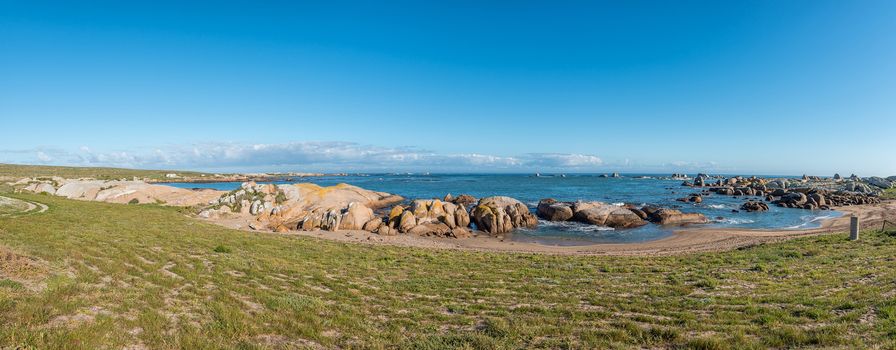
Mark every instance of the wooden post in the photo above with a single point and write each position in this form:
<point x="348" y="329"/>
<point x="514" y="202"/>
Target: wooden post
<point x="854" y="228"/>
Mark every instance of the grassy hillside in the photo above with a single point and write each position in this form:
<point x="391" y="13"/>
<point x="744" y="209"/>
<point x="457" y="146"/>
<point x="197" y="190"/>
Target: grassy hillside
<point x="87" y="275"/>
<point x="22" y="171"/>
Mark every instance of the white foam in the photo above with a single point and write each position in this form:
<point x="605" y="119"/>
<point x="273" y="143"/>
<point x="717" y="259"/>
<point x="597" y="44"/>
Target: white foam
<point x="573" y="226"/>
<point x="811" y="219"/>
<point x="717" y="206"/>
<point x="734" y="221"/>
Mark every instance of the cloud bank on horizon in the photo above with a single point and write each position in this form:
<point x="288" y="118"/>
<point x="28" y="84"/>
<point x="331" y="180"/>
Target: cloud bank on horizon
<point x="326" y="156"/>
<point x="302" y="156"/>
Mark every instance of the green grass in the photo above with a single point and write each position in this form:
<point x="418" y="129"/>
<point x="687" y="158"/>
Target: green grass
<point x="125" y="275"/>
<point x="12" y="208"/>
<point x="22" y="171"/>
<point x="889" y="194"/>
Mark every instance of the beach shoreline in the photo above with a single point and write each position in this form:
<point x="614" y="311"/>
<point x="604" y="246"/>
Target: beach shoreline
<point x="682" y="241"/>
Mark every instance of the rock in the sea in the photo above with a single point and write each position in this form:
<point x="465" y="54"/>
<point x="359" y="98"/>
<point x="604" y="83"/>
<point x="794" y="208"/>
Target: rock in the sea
<point x="794" y="198"/>
<point x="817" y="199"/>
<point x="551" y="210"/>
<point x="692" y="198"/>
<point x="751" y="206"/>
<point x="664" y="216"/>
<point x="640" y="213"/>
<point x="603" y="214"/>
<point x="464" y="199"/>
<point x="778" y="184"/>
<point x="500" y="214"/>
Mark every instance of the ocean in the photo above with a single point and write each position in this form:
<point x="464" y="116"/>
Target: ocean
<point x="638" y="189"/>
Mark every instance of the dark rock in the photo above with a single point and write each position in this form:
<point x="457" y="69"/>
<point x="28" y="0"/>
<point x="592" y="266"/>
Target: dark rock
<point x="752" y="206"/>
<point x="465" y="200"/>
<point x="551" y="210"/>
<point x="675" y="217"/>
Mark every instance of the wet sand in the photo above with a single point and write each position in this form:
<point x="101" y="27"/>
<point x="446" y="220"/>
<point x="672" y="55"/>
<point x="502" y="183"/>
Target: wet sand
<point x="685" y="240"/>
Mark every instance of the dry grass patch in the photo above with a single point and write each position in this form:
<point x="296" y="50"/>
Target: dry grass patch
<point x="16" y="268"/>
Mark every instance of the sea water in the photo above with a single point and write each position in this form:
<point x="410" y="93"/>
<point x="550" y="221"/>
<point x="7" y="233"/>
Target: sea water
<point x="638" y="189"/>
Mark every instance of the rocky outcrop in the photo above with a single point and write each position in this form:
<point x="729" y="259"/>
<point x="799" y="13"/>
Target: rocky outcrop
<point x="692" y="198"/>
<point x="594" y="213"/>
<point x="752" y="206"/>
<point x="552" y="210"/>
<point x="500" y="214"/>
<point x="664" y="216"/>
<point x="879" y="182"/>
<point x="430" y="217"/>
<point x="307" y="206"/>
<point x="699" y="181"/>
<point x="122" y="192"/>
<point x="463" y="199"/>
<point x="603" y="214"/>
<point x="812" y="192"/>
<point x="41" y="187"/>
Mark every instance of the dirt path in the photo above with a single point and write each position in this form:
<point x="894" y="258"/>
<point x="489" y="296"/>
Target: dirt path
<point x="29" y="207"/>
<point x="688" y="240"/>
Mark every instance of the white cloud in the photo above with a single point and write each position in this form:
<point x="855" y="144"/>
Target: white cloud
<point x="562" y="160"/>
<point x="43" y="157"/>
<point x="324" y="156"/>
<point x="686" y="165"/>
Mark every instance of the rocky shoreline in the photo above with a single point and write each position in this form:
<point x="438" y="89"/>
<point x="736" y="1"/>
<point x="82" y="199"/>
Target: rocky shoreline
<point x="809" y="192"/>
<point x="343" y="207"/>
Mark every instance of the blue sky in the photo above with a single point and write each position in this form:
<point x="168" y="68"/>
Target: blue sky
<point x="767" y="87"/>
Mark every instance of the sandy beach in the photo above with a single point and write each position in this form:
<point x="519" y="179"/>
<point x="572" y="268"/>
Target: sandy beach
<point x="685" y="240"/>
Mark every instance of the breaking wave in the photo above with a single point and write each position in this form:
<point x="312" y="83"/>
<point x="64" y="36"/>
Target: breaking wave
<point x="811" y="221"/>
<point x="572" y="226"/>
<point x="733" y="221"/>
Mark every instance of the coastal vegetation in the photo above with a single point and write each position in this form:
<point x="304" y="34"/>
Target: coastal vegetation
<point x="19" y="171"/>
<point x="889" y="194"/>
<point x="100" y="275"/>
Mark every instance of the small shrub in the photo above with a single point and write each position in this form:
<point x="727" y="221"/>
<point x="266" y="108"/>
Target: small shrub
<point x="222" y="249"/>
<point x="280" y="197"/>
<point x="134" y="201"/>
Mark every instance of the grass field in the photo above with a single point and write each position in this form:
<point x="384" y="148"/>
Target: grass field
<point x="87" y="275"/>
<point x="22" y="171"/>
<point x="889" y="194"/>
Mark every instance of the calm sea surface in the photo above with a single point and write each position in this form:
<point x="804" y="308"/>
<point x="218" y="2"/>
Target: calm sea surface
<point x="631" y="188"/>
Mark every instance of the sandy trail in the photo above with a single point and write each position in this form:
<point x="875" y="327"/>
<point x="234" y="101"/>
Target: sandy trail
<point x="686" y="240"/>
<point x="30" y="207"/>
